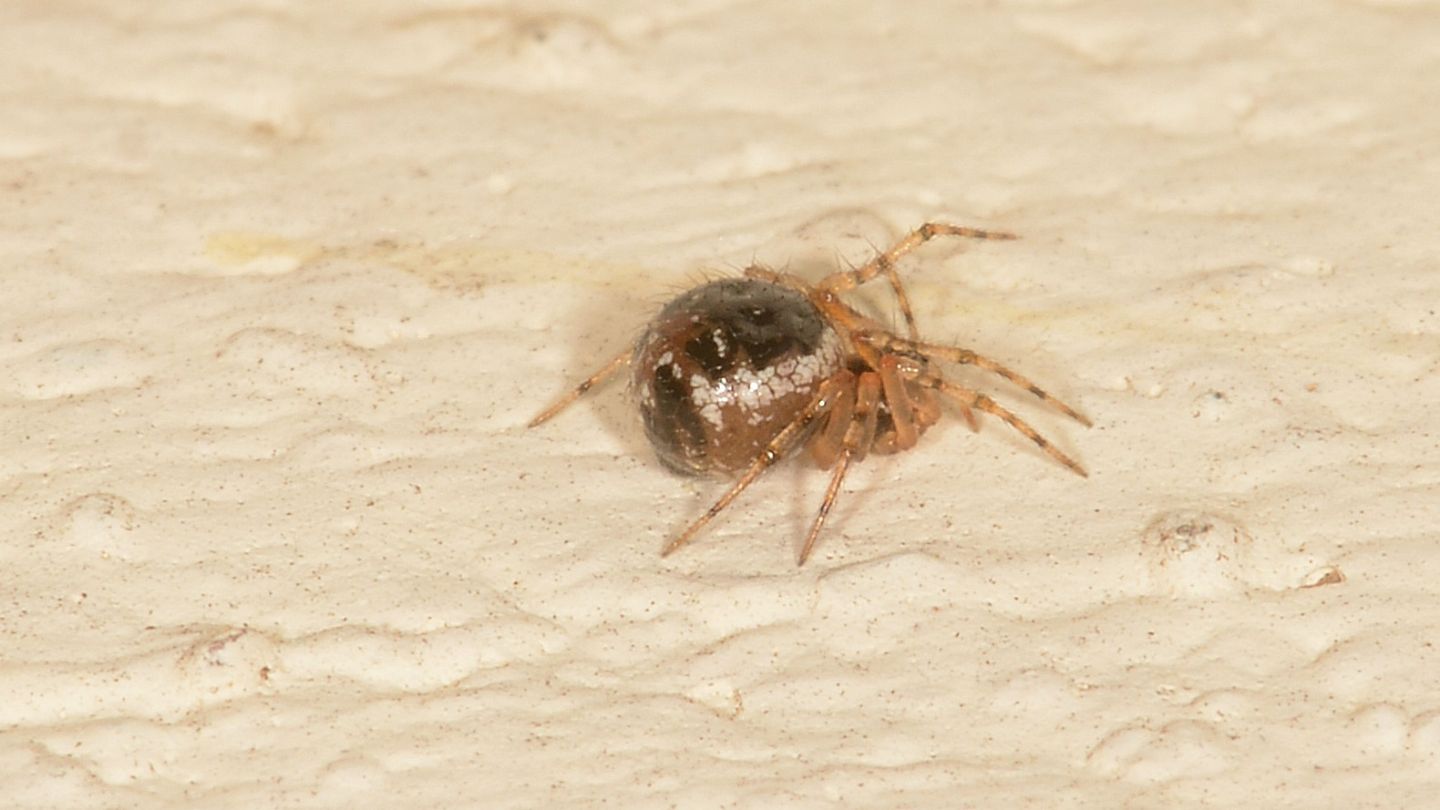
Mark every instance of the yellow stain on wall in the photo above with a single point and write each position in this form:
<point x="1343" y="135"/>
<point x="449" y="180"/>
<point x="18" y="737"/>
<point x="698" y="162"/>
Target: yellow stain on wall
<point x="453" y="266"/>
<point x="261" y="254"/>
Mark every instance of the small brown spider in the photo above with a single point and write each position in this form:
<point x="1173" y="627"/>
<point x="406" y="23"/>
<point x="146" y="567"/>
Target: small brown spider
<point x="735" y="374"/>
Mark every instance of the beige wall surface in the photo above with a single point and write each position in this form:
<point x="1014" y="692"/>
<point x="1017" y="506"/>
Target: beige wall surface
<point x="284" y="282"/>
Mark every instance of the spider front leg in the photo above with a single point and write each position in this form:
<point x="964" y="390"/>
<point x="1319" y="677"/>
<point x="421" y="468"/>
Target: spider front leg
<point x="861" y="408"/>
<point x="826" y="443"/>
<point x="884" y="264"/>
<point x="774" y="451"/>
<point x="897" y="399"/>
<point x="974" y="399"/>
<point x="856" y="432"/>
<point x="927" y="408"/>
<point x="888" y="342"/>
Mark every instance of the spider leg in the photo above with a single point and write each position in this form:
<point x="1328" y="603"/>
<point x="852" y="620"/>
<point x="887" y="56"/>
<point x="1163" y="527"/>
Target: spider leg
<point x="859" y="433"/>
<point x="621" y="360"/>
<point x="884" y="263"/>
<point x="927" y="407"/>
<point x="971" y="420"/>
<point x="824" y="400"/>
<point x="841" y="465"/>
<point x="826" y="443"/>
<point x="867" y="402"/>
<point x="955" y="354"/>
<point x="897" y="399"/>
<point x="977" y="400"/>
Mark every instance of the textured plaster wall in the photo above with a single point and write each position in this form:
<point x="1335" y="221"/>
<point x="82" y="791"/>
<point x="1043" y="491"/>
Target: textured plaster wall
<point x="284" y="281"/>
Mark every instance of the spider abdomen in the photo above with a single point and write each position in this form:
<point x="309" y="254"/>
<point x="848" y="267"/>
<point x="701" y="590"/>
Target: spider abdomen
<point x="725" y="367"/>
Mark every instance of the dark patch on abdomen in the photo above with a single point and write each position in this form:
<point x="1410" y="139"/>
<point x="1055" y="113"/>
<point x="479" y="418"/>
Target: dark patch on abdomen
<point x="673" y="423"/>
<point x="764" y="321"/>
<point x="703" y="350"/>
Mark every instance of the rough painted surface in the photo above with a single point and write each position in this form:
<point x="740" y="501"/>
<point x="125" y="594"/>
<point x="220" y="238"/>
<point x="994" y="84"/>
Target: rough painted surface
<point x="283" y="284"/>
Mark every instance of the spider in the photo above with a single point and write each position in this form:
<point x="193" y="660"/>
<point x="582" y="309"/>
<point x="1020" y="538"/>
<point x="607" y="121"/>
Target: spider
<point x="737" y="373"/>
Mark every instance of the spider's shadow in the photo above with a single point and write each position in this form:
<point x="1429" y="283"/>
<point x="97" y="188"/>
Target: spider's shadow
<point x="607" y="324"/>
